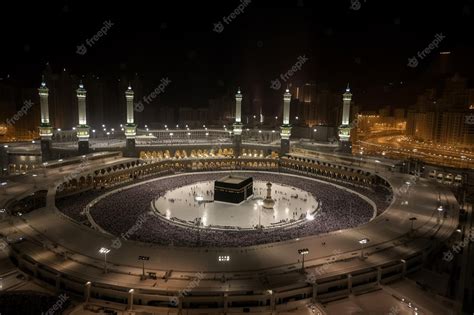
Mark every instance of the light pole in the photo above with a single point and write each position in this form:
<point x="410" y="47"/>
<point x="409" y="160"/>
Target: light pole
<point x="362" y="242"/>
<point x="440" y="210"/>
<point x="412" y="219"/>
<point x="34" y="179"/>
<point x="303" y="252"/>
<point x="143" y="258"/>
<point x="104" y="251"/>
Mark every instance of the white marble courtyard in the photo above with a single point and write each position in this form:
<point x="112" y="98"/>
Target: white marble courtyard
<point x="195" y="204"/>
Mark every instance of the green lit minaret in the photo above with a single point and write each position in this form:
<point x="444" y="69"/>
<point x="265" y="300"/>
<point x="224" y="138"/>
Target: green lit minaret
<point x="45" y="128"/>
<point x="130" y="126"/>
<point x="237" y="138"/>
<point x="286" y="127"/>
<point x="82" y="127"/>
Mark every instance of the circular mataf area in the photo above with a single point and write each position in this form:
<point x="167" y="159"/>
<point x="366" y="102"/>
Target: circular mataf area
<point x="128" y="211"/>
<point x="194" y="205"/>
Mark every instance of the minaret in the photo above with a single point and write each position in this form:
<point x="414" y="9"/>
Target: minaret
<point x="345" y="128"/>
<point x="82" y="127"/>
<point x="286" y="127"/>
<point x="130" y="126"/>
<point x="45" y="128"/>
<point x="237" y="138"/>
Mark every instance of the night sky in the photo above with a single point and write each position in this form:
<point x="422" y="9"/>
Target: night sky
<point x="367" y="45"/>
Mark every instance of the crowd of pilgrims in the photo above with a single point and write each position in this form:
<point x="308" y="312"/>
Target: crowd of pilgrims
<point x="118" y="212"/>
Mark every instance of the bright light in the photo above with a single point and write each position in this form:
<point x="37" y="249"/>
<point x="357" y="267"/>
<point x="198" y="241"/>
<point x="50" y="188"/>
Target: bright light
<point x="223" y="258"/>
<point x="104" y="250"/>
<point x="303" y="251"/>
<point x="440" y="208"/>
<point x="363" y="241"/>
<point x="199" y="198"/>
<point x="73" y="128"/>
<point x="93" y="130"/>
<point x="59" y="129"/>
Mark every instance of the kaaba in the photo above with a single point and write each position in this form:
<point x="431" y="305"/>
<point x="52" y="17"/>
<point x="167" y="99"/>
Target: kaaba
<point x="233" y="189"/>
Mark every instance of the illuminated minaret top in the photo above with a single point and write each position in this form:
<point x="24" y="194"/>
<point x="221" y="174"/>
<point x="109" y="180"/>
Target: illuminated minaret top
<point x="286" y="107"/>
<point x="130" y="127"/>
<point x="82" y="130"/>
<point x="285" y="132"/>
<point x="129" y="96"/>
<point x="238" y="107"/>
<point x="44" y="93"/>
<point x="238" y="113"/>
<point x="45" y="128"/>
<point x="346" y="109"/>
<point x="81" y="101"/>
<point x="345" y="127"/>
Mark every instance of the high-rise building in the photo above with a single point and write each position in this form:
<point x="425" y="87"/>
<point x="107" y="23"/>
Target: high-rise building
<point x="443" y="120"/>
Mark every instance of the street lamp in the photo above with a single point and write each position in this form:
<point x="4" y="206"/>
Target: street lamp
<point x="440" y="210"/>
<point x="303" y="252"/>
<point x="104" y="251"/>
<point x="143" y="258"/>
<point x="362" y="242"/>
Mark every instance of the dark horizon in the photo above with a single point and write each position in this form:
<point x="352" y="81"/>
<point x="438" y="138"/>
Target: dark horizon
<point x="368" y="47"/>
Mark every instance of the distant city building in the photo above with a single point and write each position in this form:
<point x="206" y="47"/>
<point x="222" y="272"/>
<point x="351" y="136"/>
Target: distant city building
<point x="443" y="120"/>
